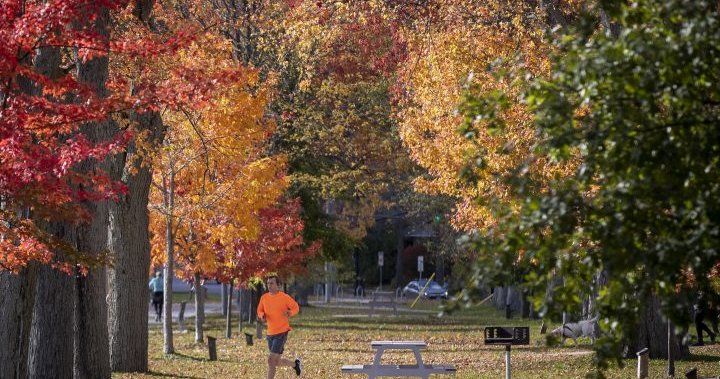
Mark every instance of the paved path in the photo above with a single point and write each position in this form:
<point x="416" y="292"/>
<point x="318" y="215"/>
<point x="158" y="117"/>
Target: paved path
<point x="210" y="308"/>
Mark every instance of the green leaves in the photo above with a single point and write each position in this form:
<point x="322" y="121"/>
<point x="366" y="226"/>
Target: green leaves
<point x="642" y="207"/>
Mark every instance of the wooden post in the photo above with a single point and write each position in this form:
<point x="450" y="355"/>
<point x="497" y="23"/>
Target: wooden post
<point x="642" y="366"/>
<point x="212" y="348"/>
<point x="692" y="374"/>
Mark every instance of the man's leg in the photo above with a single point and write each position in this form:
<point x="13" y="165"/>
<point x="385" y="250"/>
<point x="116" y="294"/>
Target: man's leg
<point x="275" y="360"/>
<point x="699" y="326"/>
<point x="155" y="308"/>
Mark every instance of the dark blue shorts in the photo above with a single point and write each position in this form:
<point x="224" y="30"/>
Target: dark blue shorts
<point x="276" y="343"/>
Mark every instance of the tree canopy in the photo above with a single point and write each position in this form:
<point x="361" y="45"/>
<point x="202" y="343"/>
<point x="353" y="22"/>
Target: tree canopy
<point x="636" y="104"/>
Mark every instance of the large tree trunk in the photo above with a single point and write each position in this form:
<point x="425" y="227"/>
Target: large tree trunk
<point x="51" y="338"/>
<point x="652" y="332"/>
<point x="92" y="351"/>
<point x="199" y="309"/>
<point x="50" y="352"/>
<point x="128" y="276"/>
<point x="130" y="251"/>
<point x="10" y="321"/>
<point x="130" y="247"/>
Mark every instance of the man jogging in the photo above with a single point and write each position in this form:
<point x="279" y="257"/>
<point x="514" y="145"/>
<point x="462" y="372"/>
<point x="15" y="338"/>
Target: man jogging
<point x="276" y="308"/>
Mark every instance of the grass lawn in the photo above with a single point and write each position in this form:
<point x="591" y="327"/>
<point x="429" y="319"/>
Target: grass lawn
<point x="327" y="338"/>
<point x="179" y="296"/>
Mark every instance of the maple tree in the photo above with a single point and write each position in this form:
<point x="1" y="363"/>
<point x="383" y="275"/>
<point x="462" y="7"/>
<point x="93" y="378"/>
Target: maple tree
<point x="279" y="247"/>
<point x="69" y="115"/>
<point x="332" y="106"/>
<point x="336" y="120"/>
<point x="212" y="175"/>
<point x="450" y="46"/>
<point x="42" y="108"/>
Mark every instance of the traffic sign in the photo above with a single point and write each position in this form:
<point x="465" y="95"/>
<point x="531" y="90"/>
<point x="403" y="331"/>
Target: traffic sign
<point x="381" y="260"/>
<point x="420" y="263"/>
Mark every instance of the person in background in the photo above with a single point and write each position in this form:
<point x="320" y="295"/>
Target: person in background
<point x="700" y="313"/>
<point x="275" y="309"/>
<point x="156" y="286"/>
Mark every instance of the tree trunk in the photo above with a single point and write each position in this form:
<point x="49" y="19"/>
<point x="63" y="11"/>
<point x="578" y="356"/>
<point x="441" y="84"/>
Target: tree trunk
<point x="223" y="299"/>
<point x="130" y="251"/>
<point x="652" y="332"/>
<point x="169" y="265"/>
<point x="499" y="298"/>
<point x="439" y="268"/>
<point x="10" y="320"/>
<point x="92" y="350"/>
<point x="508" y="302"/>
<point x="240" y="310"/>
<point x="51" y="335"/>
<point x="130" y="247"/>
<point x="399" y="278"/>
<point x="199" y="309"/>
<point x="670" y="349"/>
<point x="50" y="352"/>
<point x="228" y="320"/>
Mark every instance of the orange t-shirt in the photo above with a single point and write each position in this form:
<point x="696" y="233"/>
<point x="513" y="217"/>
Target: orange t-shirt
<point x="273" y="307"/>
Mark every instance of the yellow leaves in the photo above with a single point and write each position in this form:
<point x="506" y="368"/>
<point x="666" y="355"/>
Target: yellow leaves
<point x="357" y="216"/>
<point x="428" y="117"/>
<point x="222" y="175"/>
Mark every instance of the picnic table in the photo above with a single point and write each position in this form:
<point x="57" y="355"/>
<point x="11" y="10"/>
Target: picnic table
<point x="383" y="299"/>
<point x="377" y="369"/>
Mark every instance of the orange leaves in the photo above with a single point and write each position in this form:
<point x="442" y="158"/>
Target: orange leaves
<point x="462" y="40"/>
<point x="214" y="163"/>
<point x="278" y="247"/>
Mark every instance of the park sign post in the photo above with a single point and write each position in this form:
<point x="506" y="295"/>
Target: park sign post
<point x="507" y="336"/>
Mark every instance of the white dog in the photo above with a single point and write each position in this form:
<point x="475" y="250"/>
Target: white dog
<point x="584" y="328"/>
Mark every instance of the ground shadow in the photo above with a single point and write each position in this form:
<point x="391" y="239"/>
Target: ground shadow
<point x="701" y="358"/>
<point x="185" y="356"/>
<point x="164" y="375"/>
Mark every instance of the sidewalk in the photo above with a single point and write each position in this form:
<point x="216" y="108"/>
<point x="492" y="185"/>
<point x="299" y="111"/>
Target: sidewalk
<point x="210" y="308"/>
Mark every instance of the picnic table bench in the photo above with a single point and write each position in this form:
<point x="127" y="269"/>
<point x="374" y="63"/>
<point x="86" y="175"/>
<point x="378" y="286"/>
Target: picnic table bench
<point x="377" y="369"/>
<point x="383" y="299"/>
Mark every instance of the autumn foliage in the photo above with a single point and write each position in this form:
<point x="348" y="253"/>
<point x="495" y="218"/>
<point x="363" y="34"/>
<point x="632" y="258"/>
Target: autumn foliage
<point x="41" y="109"/>
<point x="278" y="248"/>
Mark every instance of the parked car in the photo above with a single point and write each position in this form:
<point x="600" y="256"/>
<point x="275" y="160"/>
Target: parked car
<point x="432" y="291"/>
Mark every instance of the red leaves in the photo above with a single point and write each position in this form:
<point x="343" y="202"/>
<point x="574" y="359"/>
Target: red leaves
<point x="42" y="110"/>
<point x="280" y="246"/>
